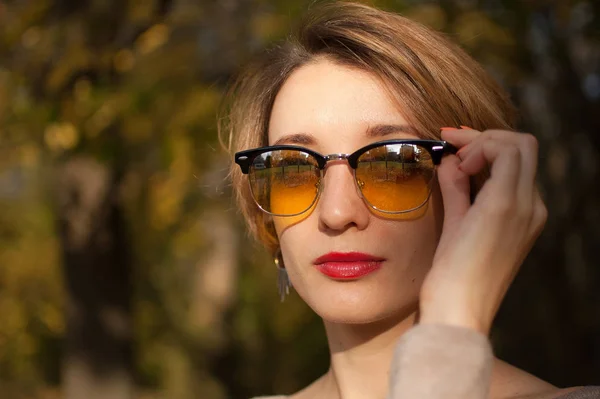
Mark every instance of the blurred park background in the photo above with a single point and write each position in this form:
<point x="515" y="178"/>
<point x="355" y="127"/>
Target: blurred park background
<point x="125" y="271"/>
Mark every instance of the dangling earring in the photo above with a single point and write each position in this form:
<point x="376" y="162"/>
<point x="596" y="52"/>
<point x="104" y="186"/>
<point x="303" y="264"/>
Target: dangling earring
<point x="283" y="280"/>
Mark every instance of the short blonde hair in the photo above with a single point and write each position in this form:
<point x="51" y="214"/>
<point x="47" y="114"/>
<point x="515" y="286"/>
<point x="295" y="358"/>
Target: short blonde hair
<point x="436" y="81"/>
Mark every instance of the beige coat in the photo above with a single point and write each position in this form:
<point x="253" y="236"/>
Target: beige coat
<point x="445" y="362"/>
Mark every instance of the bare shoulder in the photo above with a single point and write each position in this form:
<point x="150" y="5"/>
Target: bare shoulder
<point x="310" y="392"/>
<point x="314" y="390"/>
<point x="564" y="393"/>
<point x="510" y="382"/>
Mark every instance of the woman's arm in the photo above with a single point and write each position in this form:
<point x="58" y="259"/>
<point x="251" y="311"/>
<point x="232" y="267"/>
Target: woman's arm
<point x="481" y="248"/>
<point x="484" y="243"/>
<point x="441" y="361"/>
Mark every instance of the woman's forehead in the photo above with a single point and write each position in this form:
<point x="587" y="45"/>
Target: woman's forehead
<point x="326" y="101"/>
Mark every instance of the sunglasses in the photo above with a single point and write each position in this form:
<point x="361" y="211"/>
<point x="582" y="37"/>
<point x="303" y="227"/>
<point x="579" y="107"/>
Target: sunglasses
<point x="392" y="176"/>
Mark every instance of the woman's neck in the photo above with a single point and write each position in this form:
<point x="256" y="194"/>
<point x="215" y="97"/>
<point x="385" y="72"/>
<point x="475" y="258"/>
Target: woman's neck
<point x="361" y="355"/>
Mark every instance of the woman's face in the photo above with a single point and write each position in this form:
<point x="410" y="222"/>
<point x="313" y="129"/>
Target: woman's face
<point x="334" y="109"/>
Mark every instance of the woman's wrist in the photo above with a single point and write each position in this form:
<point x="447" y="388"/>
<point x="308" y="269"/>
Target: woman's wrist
<point x="446" y="313"/>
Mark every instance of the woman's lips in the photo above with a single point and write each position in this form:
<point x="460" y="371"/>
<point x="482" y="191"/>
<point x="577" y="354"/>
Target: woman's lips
<point x="347" y="265"/>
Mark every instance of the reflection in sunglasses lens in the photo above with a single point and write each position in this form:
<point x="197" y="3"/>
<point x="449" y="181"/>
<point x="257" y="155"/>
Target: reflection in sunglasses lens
<point x="395" y="177"/>
<point x="284" y="182"/>
<point x="392" y="178"/>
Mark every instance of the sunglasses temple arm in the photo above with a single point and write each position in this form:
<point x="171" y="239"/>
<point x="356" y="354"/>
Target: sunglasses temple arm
<point x="449" y="148"/>
<point x="437" y="151"/>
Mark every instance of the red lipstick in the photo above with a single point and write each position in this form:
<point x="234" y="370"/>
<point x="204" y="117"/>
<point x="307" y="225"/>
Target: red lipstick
<point x="347" y="265"/>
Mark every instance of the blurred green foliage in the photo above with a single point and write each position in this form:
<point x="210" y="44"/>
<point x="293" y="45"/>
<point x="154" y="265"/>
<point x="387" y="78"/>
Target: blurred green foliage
<point x="135" y="86"/>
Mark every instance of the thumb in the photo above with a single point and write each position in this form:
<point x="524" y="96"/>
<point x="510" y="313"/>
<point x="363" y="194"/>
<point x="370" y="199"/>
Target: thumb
<point x="455" y="189"/>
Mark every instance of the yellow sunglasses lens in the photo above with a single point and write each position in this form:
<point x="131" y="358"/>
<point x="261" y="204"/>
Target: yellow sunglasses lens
<point x="284" y="182"/>
<point x="395" y="177"/>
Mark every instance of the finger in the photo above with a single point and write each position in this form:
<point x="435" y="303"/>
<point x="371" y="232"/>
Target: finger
<point x="538" y="221"/>
<point x="499" y="135"/>
<point x="539" y="217"/>
<point x="529" y="155"/>
<point x="473" y="159"/>
<point x="505" y="161"/>
<point x="459" y="137"/>
<point x="528" y="147"/>
<point x="455" y="189"/>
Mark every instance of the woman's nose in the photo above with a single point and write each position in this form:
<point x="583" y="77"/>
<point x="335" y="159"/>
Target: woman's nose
<point x="341" y="206"/>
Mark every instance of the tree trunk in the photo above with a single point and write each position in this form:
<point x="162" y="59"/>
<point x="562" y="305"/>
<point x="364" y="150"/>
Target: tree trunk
<point x="98" y="353"/>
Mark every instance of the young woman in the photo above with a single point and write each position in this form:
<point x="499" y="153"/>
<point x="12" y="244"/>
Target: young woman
<point x="377" y="162"/>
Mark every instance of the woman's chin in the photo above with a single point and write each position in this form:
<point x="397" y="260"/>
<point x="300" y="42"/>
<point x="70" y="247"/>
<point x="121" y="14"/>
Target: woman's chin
<point x="352" y="305"/>
<point x="352" y="317"/>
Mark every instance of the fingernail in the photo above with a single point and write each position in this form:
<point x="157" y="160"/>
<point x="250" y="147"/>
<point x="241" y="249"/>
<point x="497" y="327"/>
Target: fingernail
<point x="448" y="128"/>
<point x="466" y="127"/>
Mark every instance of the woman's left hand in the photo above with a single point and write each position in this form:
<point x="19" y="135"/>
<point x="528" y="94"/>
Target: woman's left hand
<point x="482" y="244"/>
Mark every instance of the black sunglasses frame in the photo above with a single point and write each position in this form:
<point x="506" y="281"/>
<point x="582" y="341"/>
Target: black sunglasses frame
<point x="436" y="148"/>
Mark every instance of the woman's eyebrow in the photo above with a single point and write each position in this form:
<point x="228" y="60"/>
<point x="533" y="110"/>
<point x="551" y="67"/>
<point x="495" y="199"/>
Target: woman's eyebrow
<point x="297" y="138"/>
<point x="378" y="130"/>
<point x="384" y="130"/>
